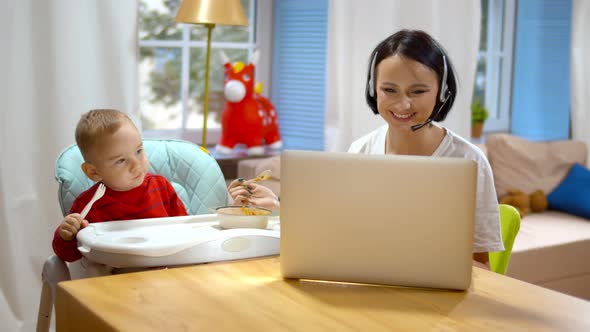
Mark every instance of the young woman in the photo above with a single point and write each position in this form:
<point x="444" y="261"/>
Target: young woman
<point x="410" y="84"/>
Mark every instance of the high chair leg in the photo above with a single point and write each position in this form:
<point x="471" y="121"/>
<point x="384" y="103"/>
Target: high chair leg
<point x="54" y="271"/>
<point x="45" y="308"/>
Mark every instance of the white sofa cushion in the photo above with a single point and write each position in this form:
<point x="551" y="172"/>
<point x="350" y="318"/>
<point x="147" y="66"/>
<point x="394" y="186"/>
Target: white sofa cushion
<point x="551" y="246"/>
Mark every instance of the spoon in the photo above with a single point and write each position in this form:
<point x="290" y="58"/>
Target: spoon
<point x="263" y="176"/>
<point x="97" y="195"/>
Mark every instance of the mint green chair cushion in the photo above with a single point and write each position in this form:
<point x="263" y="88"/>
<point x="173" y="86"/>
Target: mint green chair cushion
<point x="195" y="175"/>
<point x="510" y="221"/>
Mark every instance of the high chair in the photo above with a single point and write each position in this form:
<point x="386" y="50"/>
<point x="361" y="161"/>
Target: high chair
<point x="195" y="176"/>
<point x="510" y="222"/>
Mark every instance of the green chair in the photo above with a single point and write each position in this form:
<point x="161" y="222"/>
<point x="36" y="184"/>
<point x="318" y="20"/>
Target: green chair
<point x="510" y="221"/>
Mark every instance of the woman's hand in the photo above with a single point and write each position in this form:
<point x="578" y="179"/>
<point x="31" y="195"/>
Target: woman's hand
<point x="250" y="193"/>
<point x="481" y="260"/>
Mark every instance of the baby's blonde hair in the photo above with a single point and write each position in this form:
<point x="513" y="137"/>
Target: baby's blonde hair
<point x="94" y="125"/>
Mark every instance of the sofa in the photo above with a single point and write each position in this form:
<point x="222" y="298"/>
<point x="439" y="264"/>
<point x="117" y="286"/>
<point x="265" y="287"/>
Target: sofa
<point x="552" y="248"/>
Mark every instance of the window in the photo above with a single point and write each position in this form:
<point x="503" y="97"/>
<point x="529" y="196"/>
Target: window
<point x="299" y="62"/>
<point x="172" y="68"/>
<point x="493" y="78"/>
<point x="541" y="80"/>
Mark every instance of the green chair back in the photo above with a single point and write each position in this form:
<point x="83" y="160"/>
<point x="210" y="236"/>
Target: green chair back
<point x="510" y="221"/>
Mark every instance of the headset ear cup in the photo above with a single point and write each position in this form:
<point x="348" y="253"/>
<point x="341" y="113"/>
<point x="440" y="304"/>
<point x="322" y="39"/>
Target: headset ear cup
<point x="448" y="98"/>
<point x="372" y="77"/>
<point x="443" y="84"/>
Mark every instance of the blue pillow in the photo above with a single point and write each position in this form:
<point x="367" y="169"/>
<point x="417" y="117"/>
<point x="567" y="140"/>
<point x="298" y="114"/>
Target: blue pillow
<point x="573" y="193"/>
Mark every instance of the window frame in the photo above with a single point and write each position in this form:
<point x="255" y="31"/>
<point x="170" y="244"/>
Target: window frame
<point x="498" y="85"/>
<point x="263" y="28"/>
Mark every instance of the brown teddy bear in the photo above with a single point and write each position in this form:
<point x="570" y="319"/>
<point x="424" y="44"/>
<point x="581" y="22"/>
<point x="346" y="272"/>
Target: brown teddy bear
<point x="539" y="201"/>
<point x="525" y="204"/>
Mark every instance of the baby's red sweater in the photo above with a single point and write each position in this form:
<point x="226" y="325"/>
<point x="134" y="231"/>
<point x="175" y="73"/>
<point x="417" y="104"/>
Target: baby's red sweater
<point x="154" y="198"/>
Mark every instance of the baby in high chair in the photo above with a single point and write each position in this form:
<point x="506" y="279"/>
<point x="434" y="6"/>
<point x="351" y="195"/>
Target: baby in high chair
<point x="113" y="154"/>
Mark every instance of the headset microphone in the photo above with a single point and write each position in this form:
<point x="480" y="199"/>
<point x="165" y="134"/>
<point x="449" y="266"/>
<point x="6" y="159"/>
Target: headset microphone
<point x="418" y="126"/>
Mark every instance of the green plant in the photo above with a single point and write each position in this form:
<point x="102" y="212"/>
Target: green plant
<point x="479" y="113"/>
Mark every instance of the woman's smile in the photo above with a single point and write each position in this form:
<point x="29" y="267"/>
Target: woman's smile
<point x="403" y="117"/>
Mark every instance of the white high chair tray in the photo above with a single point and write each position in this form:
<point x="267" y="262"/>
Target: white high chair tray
<point x="174" y="241"/>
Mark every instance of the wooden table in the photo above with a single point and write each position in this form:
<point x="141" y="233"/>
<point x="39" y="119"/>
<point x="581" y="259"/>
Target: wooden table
<point x="250" y="295"/>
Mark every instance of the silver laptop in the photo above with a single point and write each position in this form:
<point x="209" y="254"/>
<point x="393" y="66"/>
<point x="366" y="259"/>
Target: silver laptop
<point x="382" y="219"/>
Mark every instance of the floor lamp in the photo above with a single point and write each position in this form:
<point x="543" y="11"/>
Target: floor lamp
<point x="210" y="13"/>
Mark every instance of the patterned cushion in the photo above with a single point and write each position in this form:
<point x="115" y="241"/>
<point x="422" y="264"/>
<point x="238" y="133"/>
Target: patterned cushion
<point x="195" y="175"/>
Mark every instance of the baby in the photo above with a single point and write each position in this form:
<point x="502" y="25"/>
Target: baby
<point x="113" y="154"/>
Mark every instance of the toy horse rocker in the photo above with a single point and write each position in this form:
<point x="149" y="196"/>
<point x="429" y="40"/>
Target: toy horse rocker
<point x="248" y="118"/>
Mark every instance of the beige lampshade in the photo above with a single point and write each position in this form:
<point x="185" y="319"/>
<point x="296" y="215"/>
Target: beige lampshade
<point x="225" y="12"/>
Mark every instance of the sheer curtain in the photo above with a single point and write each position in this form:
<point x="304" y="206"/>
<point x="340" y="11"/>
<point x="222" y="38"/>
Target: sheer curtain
<point x="59" y="58"/>
<point x="355" y="28"/>
<point x="580" y="72"/>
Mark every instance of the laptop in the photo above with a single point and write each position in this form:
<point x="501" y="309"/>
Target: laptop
<point x="379" y="219"/>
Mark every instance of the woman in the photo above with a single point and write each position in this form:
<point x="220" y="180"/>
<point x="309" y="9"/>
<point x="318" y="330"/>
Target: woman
<point x="410" y="83"/>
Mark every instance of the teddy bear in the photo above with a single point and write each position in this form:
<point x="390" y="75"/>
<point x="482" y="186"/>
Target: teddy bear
<point x="525" y="204"/>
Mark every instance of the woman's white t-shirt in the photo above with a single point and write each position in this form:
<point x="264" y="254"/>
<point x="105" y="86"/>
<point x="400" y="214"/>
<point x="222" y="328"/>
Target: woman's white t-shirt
<point x="487" y="231"/>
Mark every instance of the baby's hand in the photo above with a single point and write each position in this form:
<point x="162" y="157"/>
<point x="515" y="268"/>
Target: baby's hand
<point x="70" y="226"/>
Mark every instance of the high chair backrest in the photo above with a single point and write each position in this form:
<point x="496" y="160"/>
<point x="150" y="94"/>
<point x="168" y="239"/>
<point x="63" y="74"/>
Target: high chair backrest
<point x="510" y="222"/>
<point x="195" y="175"/>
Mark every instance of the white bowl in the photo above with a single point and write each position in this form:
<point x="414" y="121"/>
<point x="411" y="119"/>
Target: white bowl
<point x="235" y="217"/>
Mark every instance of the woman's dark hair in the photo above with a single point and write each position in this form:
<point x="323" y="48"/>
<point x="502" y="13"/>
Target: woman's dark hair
<point x="420" y="47"/>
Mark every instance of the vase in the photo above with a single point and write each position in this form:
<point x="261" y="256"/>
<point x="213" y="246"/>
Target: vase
<point x="476" y="129"/>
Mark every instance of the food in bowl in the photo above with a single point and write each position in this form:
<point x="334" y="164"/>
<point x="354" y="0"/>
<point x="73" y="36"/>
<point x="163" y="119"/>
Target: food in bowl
<point x="242" y="217"/>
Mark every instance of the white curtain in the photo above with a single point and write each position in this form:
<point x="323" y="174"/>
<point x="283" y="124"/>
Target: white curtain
<point x="356" y="27"/>
<point x="58" y="59"/>
<point x="580" y="72"/>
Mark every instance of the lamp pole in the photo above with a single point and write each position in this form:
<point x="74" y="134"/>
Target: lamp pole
<point x="209" y="13"/>
<point x="206" y="97"/>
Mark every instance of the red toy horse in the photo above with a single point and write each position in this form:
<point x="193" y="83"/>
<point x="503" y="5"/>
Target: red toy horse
<point x="247" y="117"/>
